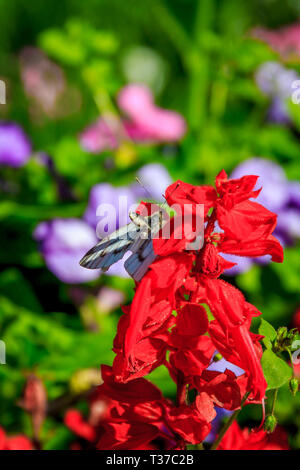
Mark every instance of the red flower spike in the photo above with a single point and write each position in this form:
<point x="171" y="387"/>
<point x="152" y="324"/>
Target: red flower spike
<point x="165" y="315"/>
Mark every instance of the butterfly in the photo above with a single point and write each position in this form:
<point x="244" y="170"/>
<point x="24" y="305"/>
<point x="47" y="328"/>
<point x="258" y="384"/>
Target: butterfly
<point x="135" y="237"/>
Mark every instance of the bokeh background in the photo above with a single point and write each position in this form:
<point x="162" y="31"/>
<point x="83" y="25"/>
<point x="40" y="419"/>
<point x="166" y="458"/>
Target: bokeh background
<point x="98" y="92"/>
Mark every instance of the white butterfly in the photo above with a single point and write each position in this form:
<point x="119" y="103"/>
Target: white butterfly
<point x="136" y="237"/>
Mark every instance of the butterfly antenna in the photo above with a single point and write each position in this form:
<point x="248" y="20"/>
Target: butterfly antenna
<point x="144" y="187"/>
<point x="165" y="204"/>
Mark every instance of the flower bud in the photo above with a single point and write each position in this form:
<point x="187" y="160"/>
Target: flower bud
<point x="210" y="262"/>
<point x="217" y="357"/>
<point x="282" y="333"/>
<point x="270" y="423"/>
<point x="294" y="386"/>
<point x="284" y="338"/>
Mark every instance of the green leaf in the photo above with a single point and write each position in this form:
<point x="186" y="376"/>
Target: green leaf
<point x="276" y="371"/>
<point x="19" y="290"/>
<point x="268" y="332"/>
<point x="63" y="48"/>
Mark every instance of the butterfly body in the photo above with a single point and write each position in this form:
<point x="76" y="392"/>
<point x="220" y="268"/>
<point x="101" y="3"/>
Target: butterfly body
<point x="136" y="237"/>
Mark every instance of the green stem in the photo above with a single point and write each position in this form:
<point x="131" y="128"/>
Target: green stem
<point x="199" y="66"/>
<point x="172" y="27"/>
<point x="274" y="401"/>
<point x="228" y="423"/>
<point x="292" y="363"/>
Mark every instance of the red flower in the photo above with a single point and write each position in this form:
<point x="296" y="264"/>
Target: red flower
<point x="191" y="351"/>
<point x="223" y="388"/>
<point x="243" y="439"/>
<point x="186" y="194"/>
<point x="167" y="322"/>
<point x="136" y="416"/>
<point x="296" y="320"/>
<point x="74" y="421"/>
<point x="209" y="263"/>
<point x="192" y="423"/>
<point x="18" y="442"/>
<point x="233" y="339"/>
<point x="247" y="225"/>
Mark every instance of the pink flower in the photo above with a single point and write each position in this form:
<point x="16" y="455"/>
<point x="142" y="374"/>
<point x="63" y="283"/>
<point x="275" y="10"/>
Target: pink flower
<point x="148" y="121"/>
<point x="286" y="40"/>
<point x="144" y="122"/>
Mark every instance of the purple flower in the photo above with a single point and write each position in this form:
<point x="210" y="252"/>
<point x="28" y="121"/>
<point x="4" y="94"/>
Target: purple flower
<point x="108" y="206"/>
<point x="274" y="194"/>
<point x="275" y="81"/>
<point x="156" y="179"/>
<point x="113" y="203"/>
<point x="63" y="242"/>
<point x="116" y="202"/>
<point x="289" y="222"/>
<point x="294" y="194"/>
<point x="15" y="148"/>
<point x="278" y="111"/>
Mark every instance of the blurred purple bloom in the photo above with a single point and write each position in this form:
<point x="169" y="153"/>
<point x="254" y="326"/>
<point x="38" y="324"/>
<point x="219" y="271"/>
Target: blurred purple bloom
<point x="289" y="222"/>
<point x="119" y="198"/>
<point x="294" y="194"/>
<point x="274" y="194"/>
<point x="63" y="242"/>
<point x="156" y="179"/>
<point x="216" y="423"/>
<point x="278" y="112"/>
<point x="275" y="81"/>
<point x="15" y="148"/>
<point x="112" y="204"/>
<point x="278" y="195"/>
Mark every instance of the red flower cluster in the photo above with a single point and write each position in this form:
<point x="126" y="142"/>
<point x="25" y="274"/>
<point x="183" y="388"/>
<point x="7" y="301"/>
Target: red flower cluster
<point x="181" y="314"/>
<point x="135" y="415"/>
<point x="18" y="442"/>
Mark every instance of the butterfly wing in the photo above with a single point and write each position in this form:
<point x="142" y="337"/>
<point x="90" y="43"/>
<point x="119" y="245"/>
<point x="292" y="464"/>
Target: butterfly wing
<point x="142" y="250"/>
<point x="138" y="263"/>
<point x="111" y="249"/>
